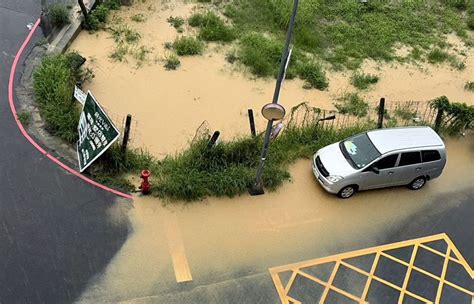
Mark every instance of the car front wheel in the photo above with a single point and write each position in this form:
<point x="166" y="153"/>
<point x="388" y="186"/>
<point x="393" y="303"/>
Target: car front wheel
<point x="347" y="192"/>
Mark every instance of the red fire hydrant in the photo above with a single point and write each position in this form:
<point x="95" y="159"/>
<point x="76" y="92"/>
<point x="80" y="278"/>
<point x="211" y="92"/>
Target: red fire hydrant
<point x="145" y="186"/>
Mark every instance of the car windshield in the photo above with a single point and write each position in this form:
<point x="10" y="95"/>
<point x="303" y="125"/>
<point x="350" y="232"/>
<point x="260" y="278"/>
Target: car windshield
<point x="359" y="150"/>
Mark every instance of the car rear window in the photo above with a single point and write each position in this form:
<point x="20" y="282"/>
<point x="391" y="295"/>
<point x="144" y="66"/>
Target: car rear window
<point x="410" y="158"/>
<point x="430" y="155"/>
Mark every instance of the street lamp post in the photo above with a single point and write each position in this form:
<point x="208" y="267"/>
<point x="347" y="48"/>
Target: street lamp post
<point x="257" y="187"/>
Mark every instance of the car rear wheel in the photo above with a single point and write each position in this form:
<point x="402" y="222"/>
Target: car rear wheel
<point x="347" y="191"/>
<point x="417" y="183"/>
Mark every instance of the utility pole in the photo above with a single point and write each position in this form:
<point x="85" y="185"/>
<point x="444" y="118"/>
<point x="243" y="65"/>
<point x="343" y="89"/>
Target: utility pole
<point x="83" y="9"/>
<point x="257" y="187"/>
<point x="44" y="19"/>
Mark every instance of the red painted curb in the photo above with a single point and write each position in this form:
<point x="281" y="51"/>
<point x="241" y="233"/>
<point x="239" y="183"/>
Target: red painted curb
<point x="31" y="140"/>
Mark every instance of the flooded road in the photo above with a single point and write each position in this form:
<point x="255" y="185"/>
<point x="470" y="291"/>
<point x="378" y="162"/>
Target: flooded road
<point x="247" y="235"/>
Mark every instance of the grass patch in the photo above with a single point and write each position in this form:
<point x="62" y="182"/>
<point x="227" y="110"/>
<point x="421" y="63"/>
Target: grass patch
<point x="469" y="86"/>
<point x="176" y="22"/>
<point x="405" y="113"/>
<point x="188" y="46"/>
<point x="119" y="53"/>
<point x="314" y="76"/>
<point x="124" y="34"/>
<point x="172" y="62"/>
<point x="212" y="27"/>
<point x="138" y="18"/>
<point x="53" y="83"/>
<point x="363" y="81"/>
<point x="24" y="117"/>
<point x="346" y="32"/>
<point x="437" y="56"/>
<point x="353" y="104"/>
<point x="59" y="15"/>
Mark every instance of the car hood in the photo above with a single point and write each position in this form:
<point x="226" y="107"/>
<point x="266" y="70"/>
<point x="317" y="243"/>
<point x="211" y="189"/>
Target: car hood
<point x="334" y="161"/>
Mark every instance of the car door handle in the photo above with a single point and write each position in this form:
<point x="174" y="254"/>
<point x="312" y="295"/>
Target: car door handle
<point x="418" y="168"/>
<point x="390" y="172"/>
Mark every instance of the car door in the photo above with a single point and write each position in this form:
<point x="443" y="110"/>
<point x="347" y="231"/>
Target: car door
<point x="372" y="180"/>
<point x="409" y="167"/>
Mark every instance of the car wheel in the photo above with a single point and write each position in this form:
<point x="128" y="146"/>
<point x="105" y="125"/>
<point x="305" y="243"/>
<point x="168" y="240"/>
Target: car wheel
<point x="417" y="183"/>
<point x="347" y="192"/>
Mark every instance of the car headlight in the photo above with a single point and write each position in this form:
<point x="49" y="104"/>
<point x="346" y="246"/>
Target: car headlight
<point x="334" y="178"/>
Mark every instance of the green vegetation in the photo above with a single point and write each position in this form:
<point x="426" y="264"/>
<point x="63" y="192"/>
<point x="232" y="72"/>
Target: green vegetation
<point x="24" y="117"/>
<point x="405" y="113"/>
<point x="437" y="56"/>
<point x="185" y="46"/>
<point x="54" y="81"/>
<point x="99" y="15"/>
<point x="59" y="14"/>
<point x="172" y="62"/>
<point x="363" y="81"/>
<point x="176" y="22"/>
<point x="212" y="27"/>
<point x="353" y="104"/>
<point x="469" y="86"/>
<point x="124" y="34"/>
<point x="119" y="53"/>
<point x="138" y="18"/>
<point x="314" y="76"/>
<point x="457" y="116"/>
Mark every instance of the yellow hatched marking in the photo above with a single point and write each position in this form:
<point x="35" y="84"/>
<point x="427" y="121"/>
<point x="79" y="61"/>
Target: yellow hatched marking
<point x="378" y="251"/>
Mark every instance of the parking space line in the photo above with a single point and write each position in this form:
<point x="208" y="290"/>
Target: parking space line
<point x="340" y="259"/>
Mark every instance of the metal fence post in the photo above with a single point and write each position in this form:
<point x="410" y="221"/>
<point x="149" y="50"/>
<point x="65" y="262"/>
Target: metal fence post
<point x="438" y="120"/>
<point x="252" y="123"/>
<point x="381" y="113"/>
<point x="126" y="134"/>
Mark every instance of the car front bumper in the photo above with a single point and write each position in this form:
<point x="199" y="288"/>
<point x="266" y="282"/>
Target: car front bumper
<point x="329" y="187"/>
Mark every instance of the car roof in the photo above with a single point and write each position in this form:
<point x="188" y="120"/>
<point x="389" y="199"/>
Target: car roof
<point x="387" y="140"/>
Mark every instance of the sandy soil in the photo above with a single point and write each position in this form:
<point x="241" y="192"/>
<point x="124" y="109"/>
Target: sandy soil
<point x="250" y="234"/>
<point x="170" y="105"/>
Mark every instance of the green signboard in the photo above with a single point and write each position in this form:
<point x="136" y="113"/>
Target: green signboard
<point x="96" y="133"/>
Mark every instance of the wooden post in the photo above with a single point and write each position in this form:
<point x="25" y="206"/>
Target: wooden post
<point x="252" y="123"/>
<point x="83" y="9"/>
<point x="438" y="120"/>
<point x="213" y="140"/>
<point x="381" y="113"/>
<point x="126" y="134"/>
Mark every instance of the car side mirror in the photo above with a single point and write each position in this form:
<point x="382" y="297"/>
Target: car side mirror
<point x="375" y="170"/>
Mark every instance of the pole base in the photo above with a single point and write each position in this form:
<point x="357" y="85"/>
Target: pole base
<point x="256" y="189"/>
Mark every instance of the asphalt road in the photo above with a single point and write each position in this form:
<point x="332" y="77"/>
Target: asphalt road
<point x="54" y="232"/>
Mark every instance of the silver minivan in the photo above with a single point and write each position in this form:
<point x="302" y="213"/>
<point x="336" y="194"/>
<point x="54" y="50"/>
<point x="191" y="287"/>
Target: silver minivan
<point x="380" y="158"/>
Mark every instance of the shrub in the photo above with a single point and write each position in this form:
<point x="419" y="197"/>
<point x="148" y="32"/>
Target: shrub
<point x="59" y="15"/>
<point x="262" y="55"/>
<point x="352" y="103"/>
<point x="172" y="62"/>
<point x="363" y="81"/>
<point x="101" y="12"/>
<point x="437" y="56"/>
<point x="314" y="75"/>
<point x="188" y="46"/>
<point x="470" y="22"/>
<point x="176" y="22"/>
<point x="469" y="86"/>
<point x="212" y="28"/>
<point x="53" y="84"/>
<point x="457" y="116"/>
<point x="138" y="18"/>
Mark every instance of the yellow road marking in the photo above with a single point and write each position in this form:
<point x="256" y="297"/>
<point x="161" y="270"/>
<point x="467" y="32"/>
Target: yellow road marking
<point x="296" y="269"/>
<point x="176" y="249"/>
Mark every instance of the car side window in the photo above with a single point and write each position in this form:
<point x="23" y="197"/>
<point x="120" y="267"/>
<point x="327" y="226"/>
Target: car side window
<point x="410" y="158"/>
<point x="387" y="162"/>
<point x="430" y="155"/>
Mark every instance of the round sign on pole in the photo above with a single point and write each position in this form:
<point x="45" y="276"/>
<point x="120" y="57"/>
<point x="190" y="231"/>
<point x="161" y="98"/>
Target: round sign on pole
<point x="273" y="111"/>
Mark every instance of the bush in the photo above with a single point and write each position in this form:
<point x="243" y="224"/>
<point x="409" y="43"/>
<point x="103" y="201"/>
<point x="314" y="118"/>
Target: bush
<point x="352" y="104"/>
<point x="262" y="55"/>
<point x="469" y="86"/>
<point x="437" y="56"/>
<point x="363" y="81"/>
<point x="212" y="28"/>
<point x="456" y="116"/>
<point x="470" y="22"/>
<point x="314" y="75"/>
<point x="59" y="15"/>
<point x="188" y="46"/>
<point x="176" y="22"/>
<point x="172" y="62"/>
<point x="53" y="83"/>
